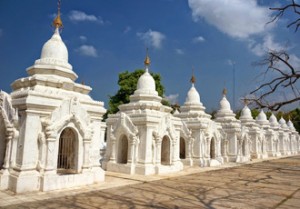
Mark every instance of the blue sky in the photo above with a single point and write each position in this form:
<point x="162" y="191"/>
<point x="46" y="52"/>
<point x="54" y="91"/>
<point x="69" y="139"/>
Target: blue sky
<point x="105" y="38"/>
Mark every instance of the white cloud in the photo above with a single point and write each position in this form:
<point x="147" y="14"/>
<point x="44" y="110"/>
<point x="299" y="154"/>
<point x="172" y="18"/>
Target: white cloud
<point x="79" y="16"/>
<point x="267" y="44"/>
<point x="236" y="18"/>
<point x="127" y="29"/>
<point x="83" y="38"/>
<point x="87" y="50"/>
<point x="179" y="51"/>
<point x="172" y="98"/>
<point x="198" y="39"/>
<point x="230" y="62"/>
<point x="152" y="38"/>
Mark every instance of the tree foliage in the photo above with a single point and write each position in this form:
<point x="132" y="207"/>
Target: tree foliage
<point x="128" y="84"/>
<point x="281" y="76"/>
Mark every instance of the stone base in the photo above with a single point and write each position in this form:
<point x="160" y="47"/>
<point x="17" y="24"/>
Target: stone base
<point x="188" y="162"/>
<point x="257" y="156"/>
<point x="24" y="181"/>
<point x="272" y="154"/>
<point x="128" y="168"/>
<point x="145" y="169"/>
<point x="216" y="162"/>
<point x="225" y="159"/>
<point x="164" y="169"/>
<point x="202" y="162"/>
<point x="4" y="179"/>
<point x="59" y="181"/>
<point x="264" y="155"/>
<point x="242" y="159"/>
<point x="277" y="154"/>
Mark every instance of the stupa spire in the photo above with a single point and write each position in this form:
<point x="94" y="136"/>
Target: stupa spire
<point x="246" y="101"/>
<point x="193" y="78"/>
<point x="57" y="23"/>
<point x="147" y="60"/>
<point x="224" y="92"/>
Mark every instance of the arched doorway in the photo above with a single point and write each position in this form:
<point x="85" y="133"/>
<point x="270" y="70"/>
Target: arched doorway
<point x="66" y="162"/>
<point x="182" y="148"/>
<point x="165" y="151"/>
<point x="2" y="143"/>
<point x="212" y="148"/>
<point x="123" y="150"/>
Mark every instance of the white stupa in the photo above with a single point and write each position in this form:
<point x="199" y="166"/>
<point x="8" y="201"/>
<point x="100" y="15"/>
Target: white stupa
<point x="200" y="133"/>
<point x="225" y="111"/>
<point x="282" y="123"/>
<point x="261" y="119"/>
<point x="235" y="144"/>
<point x="246" y="115"/>
<point x="61" y="128"/>
<point x="273" y="121"/>
<point x="143" y="137"/>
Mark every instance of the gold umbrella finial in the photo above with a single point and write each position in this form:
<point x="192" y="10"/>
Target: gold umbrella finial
<point x="224" y="92"/>
<point x="246" y="101"/>
<point x="193" y="79"/>
<point x="57" y="23"/>
<point x="147" y="59"/>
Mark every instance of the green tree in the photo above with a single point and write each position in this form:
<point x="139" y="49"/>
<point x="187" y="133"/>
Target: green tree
<point x="128" y="84"/>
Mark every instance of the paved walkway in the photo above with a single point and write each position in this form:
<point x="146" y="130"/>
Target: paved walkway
<point x="268" y="184"/>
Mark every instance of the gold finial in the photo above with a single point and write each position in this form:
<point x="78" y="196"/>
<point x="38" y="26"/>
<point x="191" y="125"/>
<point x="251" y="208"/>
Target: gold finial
<point x="224" y="92"/>
<point x="147" y="59"/>
<point x="246" y="102"/>
<point x="57" y="23"/>
<point x="193" y="79"/>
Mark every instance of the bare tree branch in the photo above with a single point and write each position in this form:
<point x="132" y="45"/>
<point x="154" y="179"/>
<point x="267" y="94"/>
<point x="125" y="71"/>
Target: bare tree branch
<point x="281" y="10"/>
<point x="287" y="77"/>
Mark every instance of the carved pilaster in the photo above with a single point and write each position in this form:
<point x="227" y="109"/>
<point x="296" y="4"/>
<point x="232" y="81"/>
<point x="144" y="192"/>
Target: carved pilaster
<point x="9" y="138"/>
<point x="86" y="153"/>
<point x="113" y="149"/>
<point x="50" y="164"/>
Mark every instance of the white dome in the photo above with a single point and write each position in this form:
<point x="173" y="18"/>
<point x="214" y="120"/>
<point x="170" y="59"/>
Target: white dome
<point x="146" y="82"/>
<point x="224" y="104"/>
<point x="55" y="48"/>
<point x="273" y="120"/>
<point x="246" y="113"/>
<point x="261" y="116"/>
<point x="282" y="123"/>
<point x="193" y="96"/>
<point x="290" y="125"/>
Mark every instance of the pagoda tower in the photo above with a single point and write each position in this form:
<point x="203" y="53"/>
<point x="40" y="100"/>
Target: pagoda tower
<point x="59" y="126"/>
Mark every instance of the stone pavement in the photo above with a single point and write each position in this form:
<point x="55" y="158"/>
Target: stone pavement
<point x="267" y="184"/>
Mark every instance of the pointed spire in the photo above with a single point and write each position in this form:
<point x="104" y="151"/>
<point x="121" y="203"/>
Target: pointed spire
<point x="224" y="92"/>
<point x="147" y="59"/>
<point x="57" y="23"/>
<point x="246" y="101"/>
<point x="193" y="79"/>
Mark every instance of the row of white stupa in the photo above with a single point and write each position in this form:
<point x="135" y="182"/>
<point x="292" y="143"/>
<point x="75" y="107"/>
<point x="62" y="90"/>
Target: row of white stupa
<point x="51" y="130"/>
<point x="145" y="138"/>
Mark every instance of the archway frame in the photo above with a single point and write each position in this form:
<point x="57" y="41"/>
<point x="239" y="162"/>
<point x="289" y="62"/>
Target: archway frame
<point x="122" y="150"/>
<point x="166" y="151"/>
<point x="73" y="150"/>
